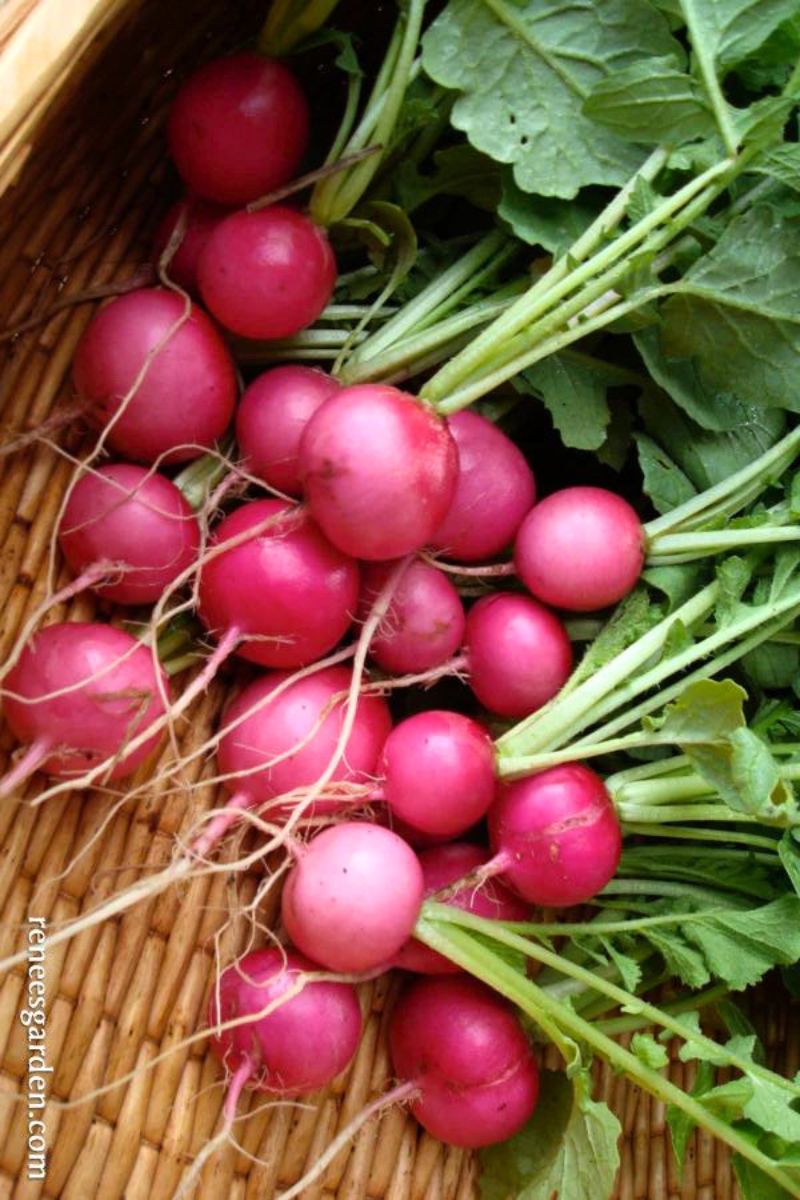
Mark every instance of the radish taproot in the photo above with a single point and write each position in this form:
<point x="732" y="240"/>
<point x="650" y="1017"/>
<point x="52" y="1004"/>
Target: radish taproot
<point x="425" y="622"/>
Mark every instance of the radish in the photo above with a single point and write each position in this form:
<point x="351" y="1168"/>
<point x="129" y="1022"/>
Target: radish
<point x="270" y="420"/>
<point x="78" y="693"/>
<point x="303" y="1044"/>
<point x="165" y="378"/>
<point x="135" y="519"/>
<point x="266" y="274"/>
<point x="438" y="772"/>
<point x="518" y="653"/>
<point x="466" y="1051"/>
<point x="301" y="728"/>
<point x="495" y="490"/>
<point x="284" y="596"/>
<point x="379" y="470"/>
<point x="443" y="866"/>
<point x="200" y="216"/>
<point x="556" y="836"/>
<point x="580" y="549"/>
<point x="238" y="128"/>
<point x="425" y="622"/>
<point x="353" y="897"/>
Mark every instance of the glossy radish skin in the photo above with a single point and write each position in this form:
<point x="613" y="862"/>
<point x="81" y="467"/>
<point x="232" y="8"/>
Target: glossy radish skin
<point x="379" y="470"/>
<point x="304" y="1042"/>
<point x="353" y="897"/>
<point x="556" y="836"/>
<point x="273" y="412"/>
<point x="267" y="274"/>
<point x="443" y="866"/>
<point x="184" y="375"/>
<point x="201" y="216"/>
<point x="438" y="772"/>
<point x="287" y="586"/>
<point x="424" y="625"/>
<point x="580" y="549"/>
<point x="113" y="697"/>
<point x="495" y="490"/>
<point x="303" y="716"/>
<point x="125" y="514"/>
<point x="238" y="128"/>
<point x="518" y="652"/>
<point x="466" y="1050"/>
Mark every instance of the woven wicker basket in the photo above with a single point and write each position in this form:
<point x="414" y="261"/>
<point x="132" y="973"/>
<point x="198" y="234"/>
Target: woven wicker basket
<point x="83" y="90"/>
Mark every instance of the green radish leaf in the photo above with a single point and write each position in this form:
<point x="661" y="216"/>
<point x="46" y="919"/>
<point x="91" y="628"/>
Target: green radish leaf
<point x="789" y="851"/>
<point x="664" y="481"/>
<point x="458" y="171"/>
<point x="544" y="220"/>
<point x="568" y="1150"/>
<point x="523" y="71"/>
<point x="575" y="397"/>
<point x="731" y="30"/>
<point x="707" y="711"/>
<point x="680" y="1124"/>
<point x="649" y="1051"/>
<point x="650" y="102"/>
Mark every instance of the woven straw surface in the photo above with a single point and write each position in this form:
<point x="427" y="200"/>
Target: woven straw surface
<point x="122" y="996"/>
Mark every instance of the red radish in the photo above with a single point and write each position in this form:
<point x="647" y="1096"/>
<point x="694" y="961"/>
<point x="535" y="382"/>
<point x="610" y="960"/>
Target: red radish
<point x="301" y="727"/>
<point x="353" y="897"/>
<point x="172" y="372"/>
<point x="379" y="470"/>
<point x="303" y="1043"/>
<point x="466" y="1051"/>
<point x="556" y="836"/>
<point x="438" y="772"/>
<point x="580" y="549"/>
<point x="425" y="622"/>
<point x="78" y="694"/>
<point x="518" y="652"/>
<point x="134" y="518"/>
<point x="443" y="866"/>
<point x="267" y="274"/>
<point x="201" y="216"/>
<point x="238" y="128"/>
<point x="286" y="593"/>
<point x="273" y="412"/>
<point x="495" y="490"/>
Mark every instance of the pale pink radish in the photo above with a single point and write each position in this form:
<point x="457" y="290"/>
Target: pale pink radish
<point x="518" y="654"/>
<point x="437" y="772"/>
<point x="353" y="896"/>
<point x="238" y="128"/>
<point x="556" y="836"/>
<point x="199" y="217"/>
<point x="495" y="490"/>
<point x="425" y="623"/>
<point x="76" y="696"/>
<point x="443" y="867"/>
<point x="159" y="373"/>
<point x="136" y="520"/>
<point x="464" y="1048"/>
<point x="274" y="410"/>
<point x="379" y="471"/>
<point x="580" y="549"/>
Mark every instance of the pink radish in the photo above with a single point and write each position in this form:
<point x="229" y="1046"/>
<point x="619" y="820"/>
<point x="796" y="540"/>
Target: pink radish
<point x="284" y="596"/>
<point x="438" y="772"/>
<point x="165" y="377"/>
<point x="379" y="470"/>
<point x="425" y="623"/>
<point x="580" y="549"/>
<point x="518" y="652"/>
<point x="353" y="897"/>
<point x="238" y="128"/>
<point x="200" y="216"/>
<point x="266" y="274"/>
<point x="133" y="518"/>
<point x="443" y="866"/>
<point x="495" y="490"/>
<point x="466" y="1051"/>
<point x="77" y="695"/>
<point x="308" y="1038"/>
<point x="556" y="836"/>
<point x="270" y="420"/>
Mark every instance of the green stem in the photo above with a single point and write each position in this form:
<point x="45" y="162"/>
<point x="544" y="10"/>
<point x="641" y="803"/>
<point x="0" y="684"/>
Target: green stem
<point x="705" y="61"/>
<point x="685" y="547"/>
<point x="692" y="833"/>
<point x="691" y="1003"/>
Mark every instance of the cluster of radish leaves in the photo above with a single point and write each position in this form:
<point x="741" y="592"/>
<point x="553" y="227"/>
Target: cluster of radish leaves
<point x="648" y="151"/>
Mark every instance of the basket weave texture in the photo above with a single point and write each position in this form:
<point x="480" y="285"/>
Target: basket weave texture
<point x="124" y="997"/>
